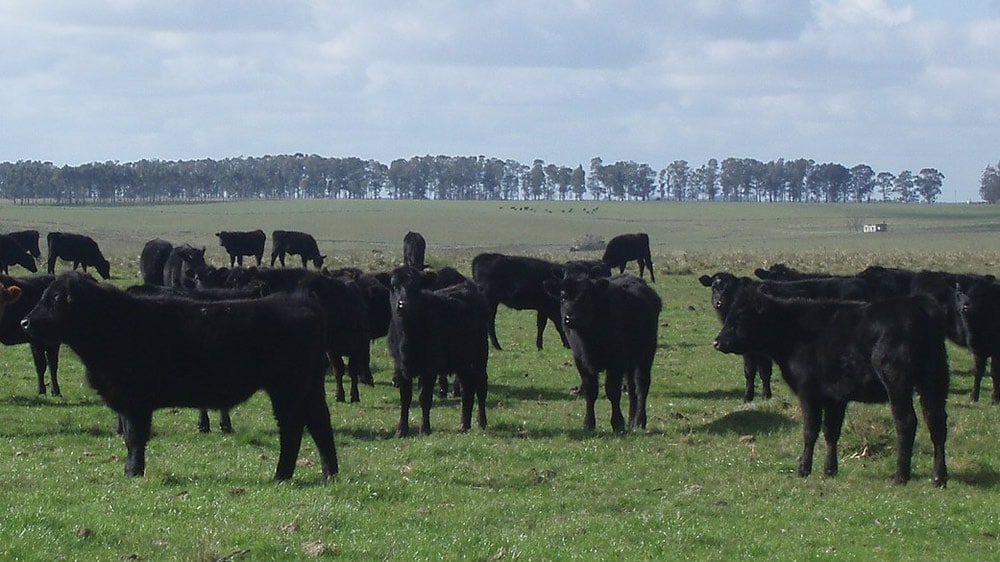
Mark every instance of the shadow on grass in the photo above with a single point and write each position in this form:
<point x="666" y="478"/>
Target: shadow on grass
<point x="748" y="421"/>
<point x="50" y="401"/>
<point x="978" y="477"/>
<point x="734" y="394"/>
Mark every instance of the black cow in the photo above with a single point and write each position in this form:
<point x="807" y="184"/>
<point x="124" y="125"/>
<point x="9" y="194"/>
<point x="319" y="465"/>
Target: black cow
<point x="517" y="281"/>
<point x="152" y="259"/>
<point x="834" y="352"/>
<point x="12" y="253"/>
<point x="724" y="288"/>
<point x="611" y="325"/>
<point x="347" y="329"/>
<point x="80" y="249"/>
<point x="978" y="304"/>
<point x="182" y="262"/>
<point x="781" y="272"/>
<point x="142" y="354"/>
<point x="414" y="248"/>
<point x="239" y="244"/>
<point x="884" y="282"/>
<point x="45" y="355"/>
<point x="28" y="239"/>
<point x="433" y="333"/>
<point x="295" y="243"/>
<point x="627" y="247"/>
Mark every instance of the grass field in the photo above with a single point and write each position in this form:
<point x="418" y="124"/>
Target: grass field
<point x="710" y="478"/>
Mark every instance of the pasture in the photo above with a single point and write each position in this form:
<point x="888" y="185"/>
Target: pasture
<point x="710" y="478"/>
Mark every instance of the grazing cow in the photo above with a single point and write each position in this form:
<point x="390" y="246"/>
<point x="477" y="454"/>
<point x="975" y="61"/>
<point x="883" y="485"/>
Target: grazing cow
<point x="12" y="253"/>
<point x="239" y="244"/>
<point x="414" y="247"/>
<point x="80" y="249"/>
<point x="296" y="243"/>
<point x="433" y="333"/>
<point x="611" y="325"/>
<point x="627" y="247"/>
<point x="834" y="352"/>
<point x="152" y="259"/>
<point x="45" y="355"/>
<point x="28" y="239"/>
<point x="142" y="354"/>
<point x="517" y="281"/>
<point x="182" y="262"/>
<point x="978" y="304"/>
<point x="781" y="272"/>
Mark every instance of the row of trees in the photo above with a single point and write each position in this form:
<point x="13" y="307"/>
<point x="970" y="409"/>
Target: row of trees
<point x="460" y="177"/>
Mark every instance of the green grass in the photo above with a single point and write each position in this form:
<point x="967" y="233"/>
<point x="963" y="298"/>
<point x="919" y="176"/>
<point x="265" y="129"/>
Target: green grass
<point x="710" y="478"/>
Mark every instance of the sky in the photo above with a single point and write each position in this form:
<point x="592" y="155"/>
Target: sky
<point x="895" y="84"/>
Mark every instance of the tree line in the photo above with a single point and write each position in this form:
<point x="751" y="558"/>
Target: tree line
<point x="461" y="178"/>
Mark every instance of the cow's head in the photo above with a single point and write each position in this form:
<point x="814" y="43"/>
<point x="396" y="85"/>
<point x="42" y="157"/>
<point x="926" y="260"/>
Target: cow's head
<point x="103" y="268"/>
<point x="404" y="289"/>
<point x="318" y="261"/>
<point x="579" y="297"/>
<point x="724" y="288"/>
<point x="50" y="319"/>
<point x="976" y="304"/>
<point x="744" y="327"/>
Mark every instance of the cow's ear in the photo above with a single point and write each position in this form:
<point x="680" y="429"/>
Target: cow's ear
<point x="705" y="281"/>
<point x="553" y="287"/>
<point x="761" y="273"/>
<point x="990" y="278"/>
<point x="11" y="294"/>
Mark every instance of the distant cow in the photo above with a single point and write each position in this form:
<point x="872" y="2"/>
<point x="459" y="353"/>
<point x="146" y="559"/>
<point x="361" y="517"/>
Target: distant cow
<point x="142" y="354"/>
<point x="12" y="253"/>
<point x="627" y="247"/>
<point x="239" y="244"/>
<point x="28" y="239"/>
<point x="45" y="355"/>
<point x="296" y="243"/>
<point x="611" y="325"/>
<point x="434" y="333"/>
<point x="152" y="259"/>
<point x="182" y="262"/>
<point x="80" y="249"/>
<point x="834" y="352"/>
<point x="414" y="248"/>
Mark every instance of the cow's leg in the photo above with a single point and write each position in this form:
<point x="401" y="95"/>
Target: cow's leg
<point x="405" y="399"/>
<point x="764" y="369"/>
<point x="225" y="422"/>
<point x="995" y="379"/>
<point x="426" y="401"/>
<point x="540" y="320"/>
<point x="51" y="269"/>
<point x="812" y="416"/>
<point x="833" y="423"/>
<point x="136" y="427"/>
<point x="204" y="424"/>
<point x="442" y="385"/>
<point x="493" y="325"/>
<point x="338" y="375"/>
<point x="979" y="371"/>
<point x="649" y="264"/>
<point x="613" y="390"/>
<point x="481" y="390"/>
<point x="321" y="431"/>
<point x="38" y="356"/>
<point x="354" y="371"/>
<point x="750" y="374"/>
<point x="638" y="393"/>
<point x="260" y="257"/>
<point x="936" y="419"/>
<point x="274" y="256"/>
<point x="588" y="389"/>
<point x="905" y="417"/>
<point x="468" y="398"/>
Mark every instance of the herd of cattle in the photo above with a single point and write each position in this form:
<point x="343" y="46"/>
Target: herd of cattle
<point x="877" y="336"/>
<point x="198" y="336"/>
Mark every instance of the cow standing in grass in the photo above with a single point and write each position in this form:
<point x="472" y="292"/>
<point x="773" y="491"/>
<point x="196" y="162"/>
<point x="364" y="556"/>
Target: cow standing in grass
<point x="239" y="244"/>
<point x="434" y="333"/>
<point x="627" y="247"/>
<point x="12" y="253"/>
<point x="296" y="243"/>
<point x="834" y="352"/>
<point x="142" y="354"/>
<point x="45" y="355"/>
<point x="612" y="326"/>
<point x="80" y="249"/>
<point x="414" y="248"/>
